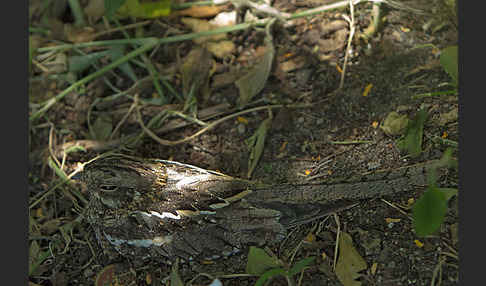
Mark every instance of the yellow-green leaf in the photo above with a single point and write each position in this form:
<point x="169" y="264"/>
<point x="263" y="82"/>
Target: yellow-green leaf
<point x="259" y="261"/>
<point x="256" y="143"/>
<point x="350" y="262"/>
<point x="412" y="141"/>
<point x="143" y="9"/>
<point x="448" y="60"/>
<point x="394" y="123"/>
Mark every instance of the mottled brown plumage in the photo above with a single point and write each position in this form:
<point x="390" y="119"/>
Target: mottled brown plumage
<point x="157" y="209"/>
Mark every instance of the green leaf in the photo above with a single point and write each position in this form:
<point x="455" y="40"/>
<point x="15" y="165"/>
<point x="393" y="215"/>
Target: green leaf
<point x="256" y="143"/>
<point x="74" y="149"/>
<point x="36" y="257"/>
<point x="269" y="274"/>
<point x="60" y="173"/>
<point x="448" y="60"/>
<point x="80" y="63"/>
<point x="447" y="161"/>
<point x="195" y="70"/>
<point x="299" y="266"/>
<point x="117" y="52"/>
<point x="259" y="261"/>
<point x="411" y="143"/>
<point x="448" y="192"/>
<point x="429" y="212"/>
<point x="111" y="6"/>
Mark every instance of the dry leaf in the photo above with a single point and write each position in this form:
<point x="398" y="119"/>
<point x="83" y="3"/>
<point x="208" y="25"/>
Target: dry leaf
<point x="220" y="49"/>
<point x="79" y="35"/>
<point x="310" y="237"/>
<point x="195" y="70"/>
<point x="200" y="11"/>
<point x="58" y="65"/>
<point x="432" y="64"/>
<point x="198" y="25"/>
<point x="373" y="268"/>
<point x="50" y="226"/>
<point x="418" y="243"/>
<point x="349" y="262"/>
<point x="394" y="123"/>
<point x="106" y="276"/>
<point x="367" y="89"/>
<point x="293" y="64"/>
<point x="224" y="79"/>
<point x="448" y="117"/>
<point x="254" y="81"/>
<point x="243" y="120"/>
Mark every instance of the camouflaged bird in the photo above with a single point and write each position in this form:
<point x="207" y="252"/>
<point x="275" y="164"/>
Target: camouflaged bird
<point x="158" y="209"/>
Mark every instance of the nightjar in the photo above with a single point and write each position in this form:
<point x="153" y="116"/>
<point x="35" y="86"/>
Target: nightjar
<point x="158" y="209"/>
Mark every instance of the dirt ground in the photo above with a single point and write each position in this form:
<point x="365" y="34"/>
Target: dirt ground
<point x="301" y="139"/>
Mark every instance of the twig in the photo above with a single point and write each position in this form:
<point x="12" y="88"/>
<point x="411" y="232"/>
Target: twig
<point x="395" y="207"/>
<point x="203" y="130"/>
<point x="336" y="219"/>
<point x="352" y="142"/>
<point x="122" y="120"/>
<point x="51" y="151"/>
<point x="373" y="27"/>
<point x="122" y="28"/>
<point x="295" y="250"/>
<point x="352" y="29"/>
<point x="437" y="272"/>
<point x="40" y="66"/>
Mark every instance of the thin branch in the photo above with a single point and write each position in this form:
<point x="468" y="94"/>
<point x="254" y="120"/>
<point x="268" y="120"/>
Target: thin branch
<point x="207" y="127"/>
<point x="352" y="28"/>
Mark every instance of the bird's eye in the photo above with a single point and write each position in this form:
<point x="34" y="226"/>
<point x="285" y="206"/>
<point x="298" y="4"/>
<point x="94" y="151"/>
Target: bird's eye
<point x="108" y="188"/>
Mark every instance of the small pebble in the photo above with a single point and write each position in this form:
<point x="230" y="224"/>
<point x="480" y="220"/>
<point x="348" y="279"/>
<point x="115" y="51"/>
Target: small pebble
<point x="300" y="120"/>
<point x="241" y="128"/>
